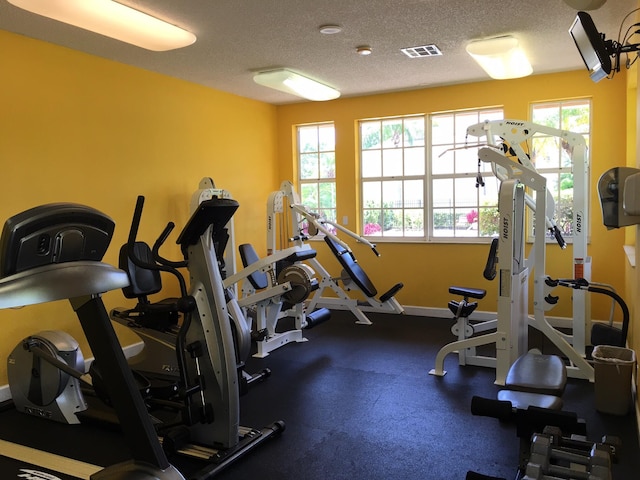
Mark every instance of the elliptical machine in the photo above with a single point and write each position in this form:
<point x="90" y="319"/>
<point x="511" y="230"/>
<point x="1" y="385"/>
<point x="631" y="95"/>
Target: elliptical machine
<point x="209" y="345"/>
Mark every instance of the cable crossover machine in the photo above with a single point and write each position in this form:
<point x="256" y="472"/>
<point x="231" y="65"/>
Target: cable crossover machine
<point x="521" y="187"/>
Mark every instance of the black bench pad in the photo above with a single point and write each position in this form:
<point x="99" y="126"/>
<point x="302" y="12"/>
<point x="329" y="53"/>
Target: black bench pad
<point x="468" y="292"/>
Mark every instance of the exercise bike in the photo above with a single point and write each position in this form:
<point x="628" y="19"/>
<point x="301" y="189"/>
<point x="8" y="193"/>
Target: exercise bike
<point x="54" y="252"/>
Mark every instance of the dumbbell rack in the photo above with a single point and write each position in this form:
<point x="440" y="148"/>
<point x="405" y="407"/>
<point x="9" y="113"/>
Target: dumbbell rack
<point x="554" y="456"/>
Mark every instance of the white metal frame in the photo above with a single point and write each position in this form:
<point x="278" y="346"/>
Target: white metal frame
<point x="341" y="300"/>
<point x="268" y="302"/>
<point x="513" y="318"/>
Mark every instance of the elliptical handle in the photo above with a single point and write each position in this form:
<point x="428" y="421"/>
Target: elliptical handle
<point x="135" y="222"/>
<point x="159" y="242"/>
<point x="131" y="253"/>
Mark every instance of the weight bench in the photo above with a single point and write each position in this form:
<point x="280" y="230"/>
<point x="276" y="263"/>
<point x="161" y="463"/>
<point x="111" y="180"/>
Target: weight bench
<point x="353" y="277"/>
<point x="535" y="380"/>
<point x="357" y="274"/>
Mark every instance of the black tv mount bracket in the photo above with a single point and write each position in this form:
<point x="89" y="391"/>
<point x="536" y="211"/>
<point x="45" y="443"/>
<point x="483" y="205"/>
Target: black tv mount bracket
<point x="615" y="49"/>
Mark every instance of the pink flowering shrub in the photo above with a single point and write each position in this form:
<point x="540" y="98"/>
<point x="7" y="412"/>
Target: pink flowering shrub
<point x="372" y="229"/>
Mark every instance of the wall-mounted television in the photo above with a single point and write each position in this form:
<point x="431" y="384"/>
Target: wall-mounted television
<point x="592" y="46"/>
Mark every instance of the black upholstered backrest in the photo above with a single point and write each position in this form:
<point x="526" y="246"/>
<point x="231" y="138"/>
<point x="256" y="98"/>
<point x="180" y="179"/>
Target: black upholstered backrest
<point x="249" y="256"/>
<point x="142" y="281"/>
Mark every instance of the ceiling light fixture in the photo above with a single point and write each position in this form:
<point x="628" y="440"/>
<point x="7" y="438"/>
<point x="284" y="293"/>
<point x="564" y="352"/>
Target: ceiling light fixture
<point x="585" y="4"/>
<point x="363" y="50"/>
<point x="500" y="57"/>
<point x="113" y="20"/>
<point x="330" y="29"/>
<point x="287" y="81"/>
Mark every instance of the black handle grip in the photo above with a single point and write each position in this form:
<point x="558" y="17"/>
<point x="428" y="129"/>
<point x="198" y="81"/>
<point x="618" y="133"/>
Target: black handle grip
<point x="487" y="407"/>
<point x="479" y="476"/>
<point x="558" y="234"/>
<point x="490" y="268"/>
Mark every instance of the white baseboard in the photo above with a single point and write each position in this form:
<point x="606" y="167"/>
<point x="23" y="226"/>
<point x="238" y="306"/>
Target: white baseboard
<point x="445" y="313"/>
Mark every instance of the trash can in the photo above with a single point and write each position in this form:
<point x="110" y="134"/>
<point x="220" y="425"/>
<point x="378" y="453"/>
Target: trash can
<point x="613" y="369"/>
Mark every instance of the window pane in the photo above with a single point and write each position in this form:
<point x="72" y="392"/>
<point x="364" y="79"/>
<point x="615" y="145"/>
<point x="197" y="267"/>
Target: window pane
<point x="414" y="161"/>
<point x="372" y="223"/>
<point x="489" y="191"/>
<point x="392" y="163"/>
<point x="442" y="129"/>
<point x="392" y="133"/>
<point x="308" y="139"/>
<point x="466" y="222"/>
<point x="442" y="192"/>
<point x="488" y="221"/>
<point x="466" y="192"/>
<point x="414" y="223"/>
<point x="414" y="193"/>
<point x="370" y="135"/>
<point x="309" y="195"/>
<point x="392" y="222"/>
<point x="576" y="117"/>
<point x="414" y="132"/>
<point x="372" y="194"/>
<point x="328" y="165"/>
<point x="466" y="161"/>
<point x="309" y="165"/>
<point x="442" y="222"/>
<point x="327" y="193"/>
<point x="441" y="164"/>
<point x="545" y="152"/>
<point x="462" y="122"/>
<point x="547" y="115"/>
<point x="371" y="163"/>
<point x="392" y="194"/>
<point x="326" y="137"/>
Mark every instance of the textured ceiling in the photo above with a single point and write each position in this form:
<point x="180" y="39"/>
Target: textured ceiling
<point x="238" y="37"/>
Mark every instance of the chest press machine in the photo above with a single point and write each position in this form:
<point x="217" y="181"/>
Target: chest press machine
<point x="510" y="335"/>
<point x="352" y="278"/>
<point x="271" y="288"/>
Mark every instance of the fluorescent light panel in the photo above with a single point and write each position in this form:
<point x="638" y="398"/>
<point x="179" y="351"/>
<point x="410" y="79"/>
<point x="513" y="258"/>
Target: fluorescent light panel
<point x="500" y="57"/>
<point x="290" y="82"/>
<point x="113" y="20"/>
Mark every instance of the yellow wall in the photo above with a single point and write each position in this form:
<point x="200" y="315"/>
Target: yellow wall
<point x="632" y="272"/>
<point x="428" y="269"/>
<point x="78" y="128"/>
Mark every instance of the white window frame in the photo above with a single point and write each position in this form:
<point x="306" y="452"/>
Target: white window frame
<point x="459" y="149"/>
<point x="443" y="151"/>
<point x="313" y="182"/>
<point x="564" y="222"/>
<point x="389" y="169"/>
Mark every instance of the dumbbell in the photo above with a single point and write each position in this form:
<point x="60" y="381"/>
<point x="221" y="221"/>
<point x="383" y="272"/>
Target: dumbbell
<point x="580" y="442"/>
<point x="543" y="452"/>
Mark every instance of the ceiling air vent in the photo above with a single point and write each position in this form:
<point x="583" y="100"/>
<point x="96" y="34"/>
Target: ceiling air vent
<point x="423" y="51"/>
